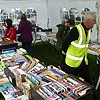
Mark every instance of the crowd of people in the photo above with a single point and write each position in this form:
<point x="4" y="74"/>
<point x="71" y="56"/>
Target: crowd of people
<point x="72" y="43"/>
<point x="24" y="30"/>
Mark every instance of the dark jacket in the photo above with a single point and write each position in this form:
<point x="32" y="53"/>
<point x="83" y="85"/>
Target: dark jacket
<point x="73" y="35"/>
<point x="25" y="29"/>
<point x="61" y="35"/>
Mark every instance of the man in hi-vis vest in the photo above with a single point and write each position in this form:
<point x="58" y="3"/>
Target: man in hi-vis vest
<point x="76" y="47"/>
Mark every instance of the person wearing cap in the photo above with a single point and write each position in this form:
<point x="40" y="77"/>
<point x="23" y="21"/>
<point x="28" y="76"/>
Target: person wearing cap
<point x="63" y="30"/>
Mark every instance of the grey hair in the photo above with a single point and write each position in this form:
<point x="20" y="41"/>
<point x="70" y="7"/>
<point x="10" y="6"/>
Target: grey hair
<point x="89" y="15"/>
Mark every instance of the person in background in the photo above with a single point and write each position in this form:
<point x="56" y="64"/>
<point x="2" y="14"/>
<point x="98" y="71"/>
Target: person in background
<point x="10" y="31"/>
<point x="25" y="29"/>
<point x="63" y="30"/>
<point x="76" y="47"/>
<point x="36" y="28"/>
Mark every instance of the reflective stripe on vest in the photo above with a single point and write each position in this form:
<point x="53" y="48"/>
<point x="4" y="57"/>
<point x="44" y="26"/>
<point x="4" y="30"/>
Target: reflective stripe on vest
<point x="73" y="59"/>
<point x="79" y="45"/>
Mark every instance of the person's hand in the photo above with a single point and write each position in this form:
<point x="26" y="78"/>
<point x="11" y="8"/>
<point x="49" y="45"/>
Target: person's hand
<point x="1" y="25"/>
<point x="62" y="68"/>
<point x="63" y="52"/>
<point x="6" y="39"/>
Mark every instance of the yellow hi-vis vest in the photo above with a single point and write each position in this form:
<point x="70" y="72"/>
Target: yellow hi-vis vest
<point x="78" y="49"/>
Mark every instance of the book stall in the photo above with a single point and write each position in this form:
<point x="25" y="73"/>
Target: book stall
<point x="25" y="78"/>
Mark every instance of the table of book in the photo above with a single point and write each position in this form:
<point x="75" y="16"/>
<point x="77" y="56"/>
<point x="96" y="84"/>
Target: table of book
<point x="25" y="78"/>
<point x="94" y="49"/>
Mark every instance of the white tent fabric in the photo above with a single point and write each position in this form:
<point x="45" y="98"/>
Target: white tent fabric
<point x="48" y="11"/>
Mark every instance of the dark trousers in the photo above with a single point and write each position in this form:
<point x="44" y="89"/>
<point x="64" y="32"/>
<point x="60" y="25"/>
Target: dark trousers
<point x="82" y="71"/>
<point x="28" y="47"/>
<point x="63" y="64"/>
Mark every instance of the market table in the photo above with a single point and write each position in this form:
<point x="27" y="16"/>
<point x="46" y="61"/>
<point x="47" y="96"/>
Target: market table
<point x="42" y="36"/>
<point x="47" y="35"/>
<point x="7" y="44"/>
<point x="94" y="49"/>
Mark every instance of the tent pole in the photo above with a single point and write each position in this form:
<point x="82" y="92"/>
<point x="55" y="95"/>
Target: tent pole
<point x="98" y="19"/>
<point x="47" y="15"/>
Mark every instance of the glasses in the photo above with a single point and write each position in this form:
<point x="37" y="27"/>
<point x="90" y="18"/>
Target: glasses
<point x="94" y="20"/>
